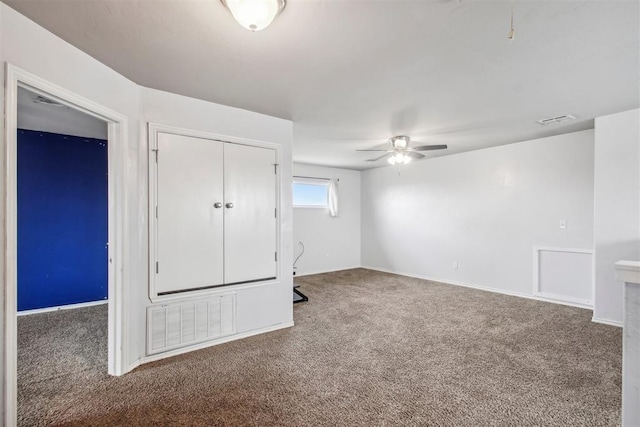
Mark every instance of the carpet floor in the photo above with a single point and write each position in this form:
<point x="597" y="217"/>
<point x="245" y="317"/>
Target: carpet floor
<point x="368" y="349"/>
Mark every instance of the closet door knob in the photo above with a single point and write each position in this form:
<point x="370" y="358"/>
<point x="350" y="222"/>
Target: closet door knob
<point x="217" y="205"/>
<point x="229" y="205"/>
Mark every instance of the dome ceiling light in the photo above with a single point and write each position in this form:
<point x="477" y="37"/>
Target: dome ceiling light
<point x="254" y="15"/>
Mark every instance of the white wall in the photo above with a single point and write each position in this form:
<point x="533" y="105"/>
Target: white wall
<point x="617" y="206"/>
<point x="485" y="209"/>
<point x="28" y="46"/>
<point x="331" y="243"/>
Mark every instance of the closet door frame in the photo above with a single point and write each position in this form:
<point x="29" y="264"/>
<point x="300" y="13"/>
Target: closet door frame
<point x="153" y="130"/>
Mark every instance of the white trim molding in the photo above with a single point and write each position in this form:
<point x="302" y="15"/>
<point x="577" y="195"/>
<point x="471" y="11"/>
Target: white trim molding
<point x="118" y="236"/>
<point x="479" y="287"/>
<point x="499" y="291"/>
<point x="62" y="307"/>
<point x="562" y="299"/>
<point x="607" y="322"/>
<point x="324" y="271"/>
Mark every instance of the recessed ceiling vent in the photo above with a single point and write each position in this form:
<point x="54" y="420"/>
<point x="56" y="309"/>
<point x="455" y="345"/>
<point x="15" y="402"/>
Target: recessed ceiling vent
<point x="44" y="100"/>
<point x="556" y="119"/>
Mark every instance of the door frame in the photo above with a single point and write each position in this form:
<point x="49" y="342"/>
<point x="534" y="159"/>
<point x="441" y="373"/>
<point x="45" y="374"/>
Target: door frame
<point x="117" y="225"/>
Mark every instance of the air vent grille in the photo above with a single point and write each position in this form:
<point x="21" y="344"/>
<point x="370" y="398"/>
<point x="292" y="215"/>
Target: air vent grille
<point x="182" y="324"/>
<point x="44" y="100"/>
<point x="556" y="119"/>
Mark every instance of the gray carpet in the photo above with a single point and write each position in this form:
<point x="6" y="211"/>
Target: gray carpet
<point x="369" y="348"/>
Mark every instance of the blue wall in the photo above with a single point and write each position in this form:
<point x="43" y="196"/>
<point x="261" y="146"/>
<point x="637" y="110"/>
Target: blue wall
<point x="62" y="219"/>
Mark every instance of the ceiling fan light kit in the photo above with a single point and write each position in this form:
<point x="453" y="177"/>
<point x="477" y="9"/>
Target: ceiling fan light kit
<point x="400" y="142"/>
<point x="400" y="152"/>
<point x="254" y="15"/>
<point x="399" y="158"/>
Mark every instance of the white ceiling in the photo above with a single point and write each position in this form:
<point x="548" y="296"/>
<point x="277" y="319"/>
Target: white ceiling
<point x="57" y="118"/>
<point x="352" y="73"/>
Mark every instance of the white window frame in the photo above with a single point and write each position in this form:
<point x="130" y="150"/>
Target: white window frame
<point x="321" y="182"/>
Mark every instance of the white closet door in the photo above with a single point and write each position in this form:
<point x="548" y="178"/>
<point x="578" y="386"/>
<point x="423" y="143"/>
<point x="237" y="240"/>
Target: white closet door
<point x="250" y="225"/>
<point x="190" y="239"/>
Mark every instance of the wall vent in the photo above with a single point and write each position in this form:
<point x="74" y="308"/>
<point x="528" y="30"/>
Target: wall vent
<point x="556" y="119"/>
<point x="39" y="99"/>
<point x="171" y="326"/>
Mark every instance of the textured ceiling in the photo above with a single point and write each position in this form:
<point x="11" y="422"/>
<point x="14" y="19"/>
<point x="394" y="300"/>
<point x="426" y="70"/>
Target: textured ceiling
<point x="350" y="74"/>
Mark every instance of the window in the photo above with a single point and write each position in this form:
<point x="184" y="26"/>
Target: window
<point x="310" y="192"/>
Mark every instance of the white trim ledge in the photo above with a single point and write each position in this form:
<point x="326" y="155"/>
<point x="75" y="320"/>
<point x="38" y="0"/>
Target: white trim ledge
<point x="178" y="351"/>
<point x="629" y="273"/>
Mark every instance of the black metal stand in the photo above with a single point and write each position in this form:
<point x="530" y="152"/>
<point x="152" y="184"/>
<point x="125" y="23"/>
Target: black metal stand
<point x="298" y="296"/>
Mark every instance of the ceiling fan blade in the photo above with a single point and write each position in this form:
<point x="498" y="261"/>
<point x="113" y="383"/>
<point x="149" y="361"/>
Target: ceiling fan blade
<point x="429" y="147"/>
<point x="373" y="150"/>
<point x="379" y="158"/>
<point x="414" y="155"/>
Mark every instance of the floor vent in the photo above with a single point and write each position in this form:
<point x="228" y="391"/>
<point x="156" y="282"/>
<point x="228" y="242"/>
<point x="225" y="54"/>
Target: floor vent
<point x="171" y="326"/>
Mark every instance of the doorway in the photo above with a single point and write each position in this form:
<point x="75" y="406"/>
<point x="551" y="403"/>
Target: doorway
<point x="16" y="81"/>
<point x="61" y="249"/>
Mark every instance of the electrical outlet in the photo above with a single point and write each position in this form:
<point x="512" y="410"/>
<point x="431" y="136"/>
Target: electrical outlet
<point x="455" y="265"/>
<point x="563" y="223"/>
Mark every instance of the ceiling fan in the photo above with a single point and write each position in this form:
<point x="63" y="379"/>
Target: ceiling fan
<point x="400" y="151"/>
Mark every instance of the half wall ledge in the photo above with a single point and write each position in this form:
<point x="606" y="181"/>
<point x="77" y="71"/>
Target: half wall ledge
<point x="629" y="273"/>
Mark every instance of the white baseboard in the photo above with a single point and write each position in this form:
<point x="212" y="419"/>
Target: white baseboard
<point x="483" y="288"/>
<point x="62" y="307"/>
<point x="200" y="346"/>
<point x="607" y="321"/>
<point x="327" y="271"/>
<point x="132" y="366"/>
<point x="559" y="300"/>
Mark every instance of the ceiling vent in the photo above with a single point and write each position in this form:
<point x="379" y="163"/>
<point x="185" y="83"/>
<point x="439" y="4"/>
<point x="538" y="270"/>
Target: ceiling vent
<point x="44" y="100"/>
<point x="556" y="119"/>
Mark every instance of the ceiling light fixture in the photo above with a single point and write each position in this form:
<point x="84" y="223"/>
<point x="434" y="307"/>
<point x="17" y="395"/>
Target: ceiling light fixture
<point x="254" y="15"/>
<point x="399" y="158"/>
<point x="400" y="142"/>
